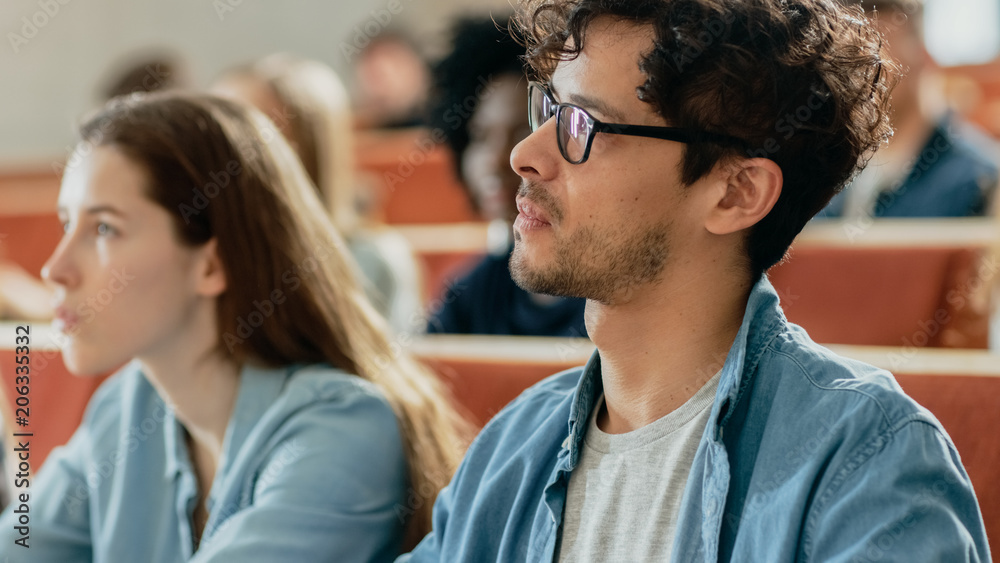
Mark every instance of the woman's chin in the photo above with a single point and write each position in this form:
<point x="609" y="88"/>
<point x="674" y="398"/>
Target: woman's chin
<point x="88" y="365"/>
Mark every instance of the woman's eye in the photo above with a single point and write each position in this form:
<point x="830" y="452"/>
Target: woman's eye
<point x="65" y="226"/>
<point x="104" y="229"/>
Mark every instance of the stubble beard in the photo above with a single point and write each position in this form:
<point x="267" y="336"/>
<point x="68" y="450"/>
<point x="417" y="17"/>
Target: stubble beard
<point x="605" y="266"/>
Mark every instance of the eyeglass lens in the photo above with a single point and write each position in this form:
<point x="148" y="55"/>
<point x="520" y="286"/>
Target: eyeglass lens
<point x="574" y="128"/>
<point x="574" y="125"/>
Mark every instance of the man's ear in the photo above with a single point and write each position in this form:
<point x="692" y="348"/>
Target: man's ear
<point x="752" y="188"/>
<point x="211" y="276"/>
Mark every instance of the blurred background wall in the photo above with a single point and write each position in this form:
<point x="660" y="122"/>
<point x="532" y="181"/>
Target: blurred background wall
<point x="57" y="55"/>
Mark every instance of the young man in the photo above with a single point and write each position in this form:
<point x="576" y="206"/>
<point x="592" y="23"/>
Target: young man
<point x="706" y="427"/>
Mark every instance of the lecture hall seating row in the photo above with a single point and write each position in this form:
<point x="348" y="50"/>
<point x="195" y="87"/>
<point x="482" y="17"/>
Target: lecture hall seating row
<point x="960" y="387"/>
<point x="923" y="283"/>
<point x="895" y="282"/>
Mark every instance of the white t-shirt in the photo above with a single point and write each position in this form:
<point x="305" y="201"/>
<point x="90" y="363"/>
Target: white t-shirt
<point x="625" y="492"/>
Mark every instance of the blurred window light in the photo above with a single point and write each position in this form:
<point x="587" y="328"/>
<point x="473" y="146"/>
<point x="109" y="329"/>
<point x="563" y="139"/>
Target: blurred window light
<point x="962" y="32"/>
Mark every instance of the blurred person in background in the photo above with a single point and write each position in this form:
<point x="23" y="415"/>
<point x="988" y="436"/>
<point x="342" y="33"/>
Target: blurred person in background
<point x="480" y="104"/>
<point x="309" y="105"/>
<point x="936" y="164"/>
<point x="153" y="72"/>
<point x="263" y="413"/>
<point x="391" y="79"/>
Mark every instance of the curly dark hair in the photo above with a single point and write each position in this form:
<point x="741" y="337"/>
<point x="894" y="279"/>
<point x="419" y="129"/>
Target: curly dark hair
<point x="481" y="48"/>
<point x="804" y="82"/>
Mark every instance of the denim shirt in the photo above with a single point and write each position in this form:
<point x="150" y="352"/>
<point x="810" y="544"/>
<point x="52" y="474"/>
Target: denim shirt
<point x="312" y="469"/>
<point x="807" y="456"/>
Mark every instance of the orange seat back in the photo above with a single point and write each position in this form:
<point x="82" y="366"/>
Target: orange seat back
<point x="413" y="178"/>
<point x="905" y="296"/>
<point x="28" y="240"/>
<point x="482" y="388"/>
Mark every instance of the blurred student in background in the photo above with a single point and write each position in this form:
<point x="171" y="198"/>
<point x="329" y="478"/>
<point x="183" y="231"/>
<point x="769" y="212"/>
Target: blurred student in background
<point x="935" y="165"/>
<point x="309" y="105"/>
<point x="480" y="104"/>
<point x="391" y="79"/>
<point x="152" y="72"/>
<point x="263" y="414"/>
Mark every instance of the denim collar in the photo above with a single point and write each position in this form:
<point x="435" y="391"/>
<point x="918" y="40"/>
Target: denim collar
<point x="762" y="321"/>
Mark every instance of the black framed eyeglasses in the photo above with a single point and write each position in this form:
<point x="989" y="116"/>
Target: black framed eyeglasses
<point x="575" y="127"/>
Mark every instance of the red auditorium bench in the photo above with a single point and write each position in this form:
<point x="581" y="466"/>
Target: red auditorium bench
<point x="484" y="373"/>
<point x="895" y="283"/>
<point x="412" y="175"/>
<point x="29" y="228"/>
<point x="445" y="252"/>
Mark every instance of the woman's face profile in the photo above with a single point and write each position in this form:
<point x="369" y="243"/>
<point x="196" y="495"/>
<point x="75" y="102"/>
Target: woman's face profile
<point x="124" y="286"/>
<point x="498" y="124"/>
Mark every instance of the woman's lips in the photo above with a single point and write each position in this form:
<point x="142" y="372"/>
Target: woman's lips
<point x="64" y="320"/>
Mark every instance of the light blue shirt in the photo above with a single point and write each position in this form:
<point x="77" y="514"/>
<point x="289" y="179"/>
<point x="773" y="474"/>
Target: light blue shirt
<point x="807" y="456"/>
<point x="312" y="470"/>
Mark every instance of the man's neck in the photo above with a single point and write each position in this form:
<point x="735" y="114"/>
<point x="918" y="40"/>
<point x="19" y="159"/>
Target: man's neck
<point x="658" y="349"/>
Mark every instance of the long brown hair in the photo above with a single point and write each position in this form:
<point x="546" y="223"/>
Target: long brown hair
<point x="319" y="122"/>
<point x="222" y="171"/>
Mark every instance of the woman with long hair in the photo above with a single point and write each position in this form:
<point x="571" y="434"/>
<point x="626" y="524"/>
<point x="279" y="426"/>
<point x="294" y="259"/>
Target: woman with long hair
<point x="263" y="413"/>
<point x="310" y="106"/>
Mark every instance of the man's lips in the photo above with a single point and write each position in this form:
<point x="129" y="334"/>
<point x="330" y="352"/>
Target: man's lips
<point x="531" y="212"/>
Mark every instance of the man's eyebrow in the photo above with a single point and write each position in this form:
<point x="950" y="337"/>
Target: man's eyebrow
<point x="586" y="102"/>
